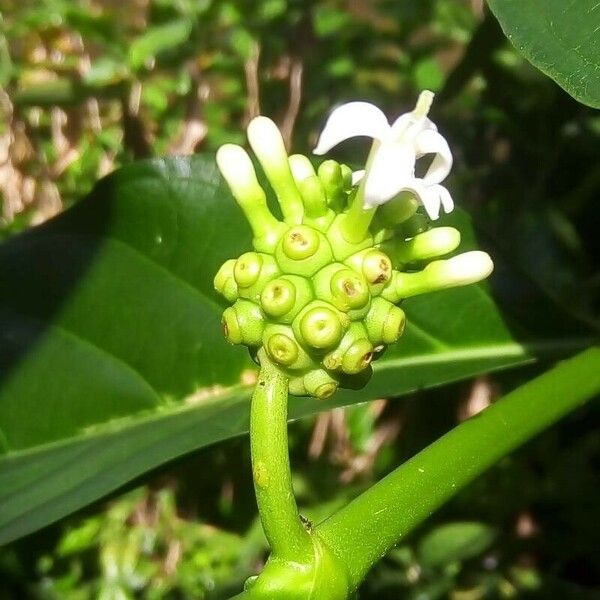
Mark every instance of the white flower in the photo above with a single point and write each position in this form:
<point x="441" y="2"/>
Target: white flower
<point x="390" y="168"/>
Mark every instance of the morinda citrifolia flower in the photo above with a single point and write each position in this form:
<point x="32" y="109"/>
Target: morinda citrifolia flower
<point x="396" y="148"/>
<point x="319" y="292"/>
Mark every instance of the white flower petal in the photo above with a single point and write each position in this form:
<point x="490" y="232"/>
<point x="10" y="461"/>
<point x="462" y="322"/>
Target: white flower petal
<point x="351" y="120"/>
<point x="430" y="199"/>
<point x="407" y="121"/>
<point x="431" y="142"/>
<point x="357" y="176"/>
<point x="391" y="168"/>
<point x="401" y="124"/>
<point x="445" y="198"/>
<point x="428" y="196"/>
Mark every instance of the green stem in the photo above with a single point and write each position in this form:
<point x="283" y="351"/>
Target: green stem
<point x="362" y="532"/>
<point x="277" y="507"/>
<point x="357" y="220"/>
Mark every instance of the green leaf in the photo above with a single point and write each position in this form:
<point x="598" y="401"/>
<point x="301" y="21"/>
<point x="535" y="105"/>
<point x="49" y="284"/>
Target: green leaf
<point x="560" y="38"/>
<point x="158" y="39"/>
<point x="370" y="525"/>
<point x="112" y="360"/>
<point x="455" y="542"/>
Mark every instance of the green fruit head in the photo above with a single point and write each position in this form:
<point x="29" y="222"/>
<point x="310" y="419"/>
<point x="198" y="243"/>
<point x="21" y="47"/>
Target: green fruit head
<point x="320" y="289"/>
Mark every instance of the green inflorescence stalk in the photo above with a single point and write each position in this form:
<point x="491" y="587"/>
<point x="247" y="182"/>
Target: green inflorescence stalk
<point x="283" y="529"/>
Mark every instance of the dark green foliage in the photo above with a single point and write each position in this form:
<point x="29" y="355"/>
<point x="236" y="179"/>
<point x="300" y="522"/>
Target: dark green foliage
<point x="526" y="168"/>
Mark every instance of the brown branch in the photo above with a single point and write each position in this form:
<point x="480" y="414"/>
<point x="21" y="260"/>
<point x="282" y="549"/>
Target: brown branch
<point x="293" y="108"/>
<point x="252" y="83"/>
<point x="135" y="136"/>
<point x="193" y="130"/>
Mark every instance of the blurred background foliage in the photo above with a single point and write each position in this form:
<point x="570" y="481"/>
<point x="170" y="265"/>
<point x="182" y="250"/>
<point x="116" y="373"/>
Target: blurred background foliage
<point x="89" y="85"/>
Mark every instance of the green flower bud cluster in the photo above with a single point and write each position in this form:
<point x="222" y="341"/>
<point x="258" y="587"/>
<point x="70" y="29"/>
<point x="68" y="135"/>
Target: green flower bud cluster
<point x="316" y="295"/>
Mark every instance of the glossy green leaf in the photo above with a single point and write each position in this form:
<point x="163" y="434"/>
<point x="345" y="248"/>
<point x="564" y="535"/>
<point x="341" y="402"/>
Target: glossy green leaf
<point x="112" y="360"/>
<point x="372" y="523"/>
<point x="561" y="38"/>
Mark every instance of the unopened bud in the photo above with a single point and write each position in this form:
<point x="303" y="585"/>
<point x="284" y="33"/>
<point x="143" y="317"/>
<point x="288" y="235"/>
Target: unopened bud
<point x="278" y="297"/>
<point x="349" y="290"/>
<point x="346" y="177"/>
<point x="243" y="323"/>
<point x="267" y="143"/>
<point x="301" y="167"/>
<point x="358" y="357"/>
<point x="247" y="269"/>
<point x="384" y="322"/>
<point x="320" y="384"/>
<point x="353" y="353"/>
<point x="252" y="272"/>
<point x="313" y="195"/>
<point x="319" y="325"/>
<point x="427" y="245"/>
<point x="330" y="174"/>
<point x="303" y="251"/>
<point x="284" y="297"/>
<point x="375" y="265"/>
<point x="463" y="269"/>
<point x="224" y="281"/>
<point x="237" y="169"/>
<point x="283" y="349"/>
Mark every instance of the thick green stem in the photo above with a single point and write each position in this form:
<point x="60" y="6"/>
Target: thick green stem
<point x="357" y="220"/>
<point x="285" y="533"/>
<point x="362" y="532"/>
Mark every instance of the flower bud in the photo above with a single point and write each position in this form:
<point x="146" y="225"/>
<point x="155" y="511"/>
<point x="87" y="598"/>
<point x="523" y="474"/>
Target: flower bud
<point x="375" y="266"/>
<point x="358" y="357"/>
<point x="398" y="210"/>
<point x="303" y="251"/>
<point x="243" y="323"/>
<point x="349" y="291"/>
<point x="301" y="167"/>
<point x="330" y="174"/>
<point x="247" y="269"/>
<point x="282" y="348"/>
<point x="463" y="269"/>
<point x="322" y="280"/>
<point x="252" y="271"/>
<point x="313" y="195"/>
<point x="278" y="297"/>
<point x="384" y="322"/>
<point x="346" y="177"/>
<point x="237" y="169"/>
<point x="353" y="354"/>
<point x="320" y="384"/>
<point x="340" y="246"/>
<point x="296" y="386"/>
<point x="267" y="143"/>
<point x="427" y="245"/>
<point x="319" y="325"/>
<point x="224" y="281"/>
<point x="283" y="298"/>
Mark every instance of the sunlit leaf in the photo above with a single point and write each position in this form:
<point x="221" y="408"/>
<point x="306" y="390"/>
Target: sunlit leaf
<point x="112" y="360"/>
